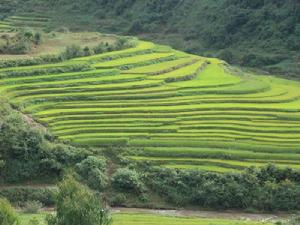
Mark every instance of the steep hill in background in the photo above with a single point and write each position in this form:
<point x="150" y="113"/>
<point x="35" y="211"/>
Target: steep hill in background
<point x="256" y="33"/>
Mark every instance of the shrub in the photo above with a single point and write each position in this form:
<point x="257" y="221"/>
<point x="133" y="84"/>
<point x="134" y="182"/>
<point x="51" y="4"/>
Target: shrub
<point x="77" y="205"/>
<point x="118" y="200"/>
<point x="8" y="216"/>
<point x="144" y="198"/>
<point x="92" y="172"/>
<point x="265" y="189"/>
<point x="33" y="207"/>
<point x="128" y="180"/>
<point x="19" y="195"/>
<point x="91" y="162"/>
<point x="87" y="51"/>
<point x="72" y="51"/>
<point x="101" y="48"/>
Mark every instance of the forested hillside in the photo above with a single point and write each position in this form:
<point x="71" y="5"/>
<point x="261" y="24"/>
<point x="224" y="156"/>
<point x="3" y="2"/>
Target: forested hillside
<point x="256" y="33"/>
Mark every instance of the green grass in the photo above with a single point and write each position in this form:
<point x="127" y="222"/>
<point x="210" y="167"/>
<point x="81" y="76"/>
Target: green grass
<point x="25" y="218"/>
<point x="151" y="219"/>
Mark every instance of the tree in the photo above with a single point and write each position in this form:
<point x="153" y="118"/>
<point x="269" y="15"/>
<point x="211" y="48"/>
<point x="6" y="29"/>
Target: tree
<point x="8" y="216"/>
<point x="78" y="205"/>
<point x="37" y="38"/>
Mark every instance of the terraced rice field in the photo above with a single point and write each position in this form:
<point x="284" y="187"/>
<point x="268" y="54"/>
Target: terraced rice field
<point x="19" y="21"/>
<point x="177" y="110"/>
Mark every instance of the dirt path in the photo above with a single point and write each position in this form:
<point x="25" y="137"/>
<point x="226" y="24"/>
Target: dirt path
<point x="207" y="214"/>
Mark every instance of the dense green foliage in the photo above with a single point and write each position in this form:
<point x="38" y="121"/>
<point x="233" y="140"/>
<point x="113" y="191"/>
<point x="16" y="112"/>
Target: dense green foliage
<point x="92" y="171"/>
<point x="7" y="7"/>
<point x="21" y="194"/>
<point x="28" y="151"/>
<point x="127" y="180"/>
<point x="267" y="189"/>
<point x="264" y="34"/>
<point x="77" y="205"/>
<point x="8" y="215"/>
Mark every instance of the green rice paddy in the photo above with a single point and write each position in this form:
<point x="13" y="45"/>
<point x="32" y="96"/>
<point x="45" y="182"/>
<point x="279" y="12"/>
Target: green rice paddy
<point x="20" y="21"/>
<point x="150" y="219"/>
<point x="176" y="110"/>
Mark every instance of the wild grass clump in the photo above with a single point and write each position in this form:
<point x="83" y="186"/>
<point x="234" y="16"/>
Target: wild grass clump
<point x="8" y="216"/>
<point x="32" y="207"/>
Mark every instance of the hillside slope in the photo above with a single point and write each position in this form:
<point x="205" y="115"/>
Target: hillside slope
<point x="263" y="34"/>
<point x="176" y="109"/>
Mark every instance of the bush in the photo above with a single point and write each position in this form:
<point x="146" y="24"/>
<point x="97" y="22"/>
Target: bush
<point x="92" y="171"/>
<point x="87" y="51"/>
<point x="77" y="205"/>
<point x="144" y="198"/>
<point x="8" y="216"/>
<point x="101" y="48"/>
<point x="118" y="200"/>
<point x="127" y="180"/>
<point x="19" y="195"/>
<point x="72" y="51"/>
<point x="32" y="207"/>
